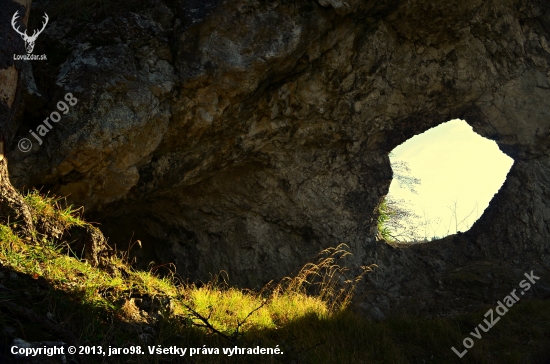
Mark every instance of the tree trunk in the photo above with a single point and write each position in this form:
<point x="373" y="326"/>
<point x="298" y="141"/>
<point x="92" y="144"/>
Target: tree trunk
<point x="13" y="208"/>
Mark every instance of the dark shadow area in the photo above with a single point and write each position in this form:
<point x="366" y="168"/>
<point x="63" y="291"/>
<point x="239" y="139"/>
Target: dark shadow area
<point x="34" y="311"/>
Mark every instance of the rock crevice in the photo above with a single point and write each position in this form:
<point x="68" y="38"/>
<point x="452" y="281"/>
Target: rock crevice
<point x="247" y="136"/>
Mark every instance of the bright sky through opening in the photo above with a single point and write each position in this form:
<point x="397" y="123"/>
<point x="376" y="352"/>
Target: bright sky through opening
<point x="454" y="164"/>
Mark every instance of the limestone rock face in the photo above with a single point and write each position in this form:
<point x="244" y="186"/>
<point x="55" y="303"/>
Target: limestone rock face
<point x="248" y="135"/>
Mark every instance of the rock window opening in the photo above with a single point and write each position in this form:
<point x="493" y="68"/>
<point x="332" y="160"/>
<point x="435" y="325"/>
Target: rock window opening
<point x="443" y="180"/>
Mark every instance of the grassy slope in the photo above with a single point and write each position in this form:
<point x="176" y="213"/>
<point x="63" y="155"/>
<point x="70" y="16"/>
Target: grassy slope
<point x="100" y="307"/>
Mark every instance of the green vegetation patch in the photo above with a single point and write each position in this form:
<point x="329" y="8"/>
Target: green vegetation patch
<point x="50" y="209"/>
<point x="308" y="316"/>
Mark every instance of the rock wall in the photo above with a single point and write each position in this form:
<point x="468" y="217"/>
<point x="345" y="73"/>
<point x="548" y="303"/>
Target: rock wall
<point x="247" y="135"/>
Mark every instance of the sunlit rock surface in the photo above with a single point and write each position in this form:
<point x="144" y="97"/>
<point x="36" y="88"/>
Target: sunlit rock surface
<point x="246" y="136"/>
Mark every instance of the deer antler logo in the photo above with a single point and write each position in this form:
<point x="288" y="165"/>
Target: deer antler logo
<point x="29" y="41"/>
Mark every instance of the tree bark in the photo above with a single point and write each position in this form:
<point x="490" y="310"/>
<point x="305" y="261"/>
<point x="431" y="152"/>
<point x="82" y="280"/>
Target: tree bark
<point x="13" y="208"/>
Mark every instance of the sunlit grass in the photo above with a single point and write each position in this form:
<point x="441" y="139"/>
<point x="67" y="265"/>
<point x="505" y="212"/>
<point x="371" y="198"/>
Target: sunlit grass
<point x="306" y="314"/>
<point x="49" y="207"/>
<point x="228" y="309"/>
<point x="320" y="289"/>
